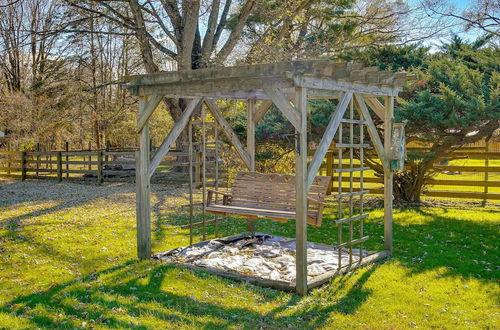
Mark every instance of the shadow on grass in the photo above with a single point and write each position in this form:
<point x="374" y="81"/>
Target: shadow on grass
<point x="18" y="196"/>
<point x="466" y="248"/>
<point x="137" y="294"/>
<point x="125" y="295"/>
<point x="147" y="294"/>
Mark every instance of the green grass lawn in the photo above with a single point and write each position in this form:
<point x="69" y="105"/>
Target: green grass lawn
<point x="67" y="260"/>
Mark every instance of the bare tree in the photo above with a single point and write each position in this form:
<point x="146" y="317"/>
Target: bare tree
<point x="329" y="28"/>
<point x="12" y="37"/>
<point x="171" y="29"/>
<point x="480" y="14"/>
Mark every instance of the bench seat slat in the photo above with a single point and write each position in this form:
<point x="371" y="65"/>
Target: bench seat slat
<point x="258" y="212"/>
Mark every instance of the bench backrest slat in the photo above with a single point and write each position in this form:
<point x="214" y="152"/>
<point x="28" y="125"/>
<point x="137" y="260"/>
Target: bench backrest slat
<point x="276" y="192"/>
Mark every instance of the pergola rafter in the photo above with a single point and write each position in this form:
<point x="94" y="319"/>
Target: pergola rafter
<point x="288" y="86"/>
<point x="240" y="82"/>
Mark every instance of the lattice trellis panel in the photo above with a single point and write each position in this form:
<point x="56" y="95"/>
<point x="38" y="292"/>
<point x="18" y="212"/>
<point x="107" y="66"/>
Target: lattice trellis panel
<point x="350" y="136"/>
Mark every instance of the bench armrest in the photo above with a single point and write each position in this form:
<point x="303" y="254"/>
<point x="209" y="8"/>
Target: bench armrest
<point x="225" y="199"/>
<point x="315" y="201"/>
<point x="321" y="206"/>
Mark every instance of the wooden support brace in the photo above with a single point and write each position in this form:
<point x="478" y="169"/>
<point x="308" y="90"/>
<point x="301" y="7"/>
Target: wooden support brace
<point x="372" y="130"/>
<point x="284" y="105"/>
<point x="173" y="134"/>
<point x="148" y="111"/>
<point x="327" y="139"/>
<point x="261" y="110"/>
<point x="376" y="106"/>
<point x="226" y="127"/>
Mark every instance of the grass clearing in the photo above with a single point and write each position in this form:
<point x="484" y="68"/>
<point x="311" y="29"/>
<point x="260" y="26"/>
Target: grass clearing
<point x="67" y="259"/>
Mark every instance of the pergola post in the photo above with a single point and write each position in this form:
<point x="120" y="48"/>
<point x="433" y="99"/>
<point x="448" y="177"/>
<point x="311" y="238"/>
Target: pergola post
<point x="388" y="174"/>
<point x="251" y="132"/>
<point x="301" y="191"/>
<point x="251" y="148"/>
<point x="143" y="187"/>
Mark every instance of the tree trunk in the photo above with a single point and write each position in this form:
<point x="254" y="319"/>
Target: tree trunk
<point x="188" y="57"/>
<point x="408" y="184"/>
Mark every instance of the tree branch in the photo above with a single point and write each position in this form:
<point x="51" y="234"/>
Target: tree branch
<point x="236" y="31"/>
<point x="207" y="47"/>
<point x="189" y="27"/>
<point x="222" y="23"/>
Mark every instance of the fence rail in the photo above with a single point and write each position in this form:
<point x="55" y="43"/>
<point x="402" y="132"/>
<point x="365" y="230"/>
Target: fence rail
<point x="477" y="178"/>
<point x="99" y="166"/>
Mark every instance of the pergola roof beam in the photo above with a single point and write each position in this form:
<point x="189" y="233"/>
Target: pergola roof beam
<point x="251" y="94"/>
<point x="210" y="86"/>
<point x="345" y="86"/>
<point x="315" y="74"/>
<point x="243" y="71"/>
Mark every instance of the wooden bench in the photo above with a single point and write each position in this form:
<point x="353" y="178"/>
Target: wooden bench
<point x="268" y="195"/>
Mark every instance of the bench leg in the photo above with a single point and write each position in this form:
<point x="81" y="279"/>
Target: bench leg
<point x="251" y="226"/>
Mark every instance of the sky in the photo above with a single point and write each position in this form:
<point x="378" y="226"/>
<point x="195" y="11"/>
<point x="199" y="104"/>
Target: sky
<point x="469" y="35"/>
<point x="461" y="3"/>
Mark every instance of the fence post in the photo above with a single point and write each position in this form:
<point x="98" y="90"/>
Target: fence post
<point x="486" y="173"/>
<point x="106" y="159"/>
<point x="49" y="161"/>
<point x="90" y="156"/>
<point x="100" y="177"/>
<point x="9" y="156"/>
<point x="66" y="148"/>
<point x="59" y="166"/>
<point x="46" y="149"/>
<point x="23" y="165"/>
<point x="38" y="159"/>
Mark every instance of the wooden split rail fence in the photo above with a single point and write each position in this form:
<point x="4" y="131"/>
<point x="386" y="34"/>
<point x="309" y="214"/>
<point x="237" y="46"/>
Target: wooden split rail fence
<point x="476" y="177"/>
<point x="455" y="181"/>
<point x="97" y="166"/>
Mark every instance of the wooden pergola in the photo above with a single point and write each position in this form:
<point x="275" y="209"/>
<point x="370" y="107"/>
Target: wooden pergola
<point x="288" y="86"/>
